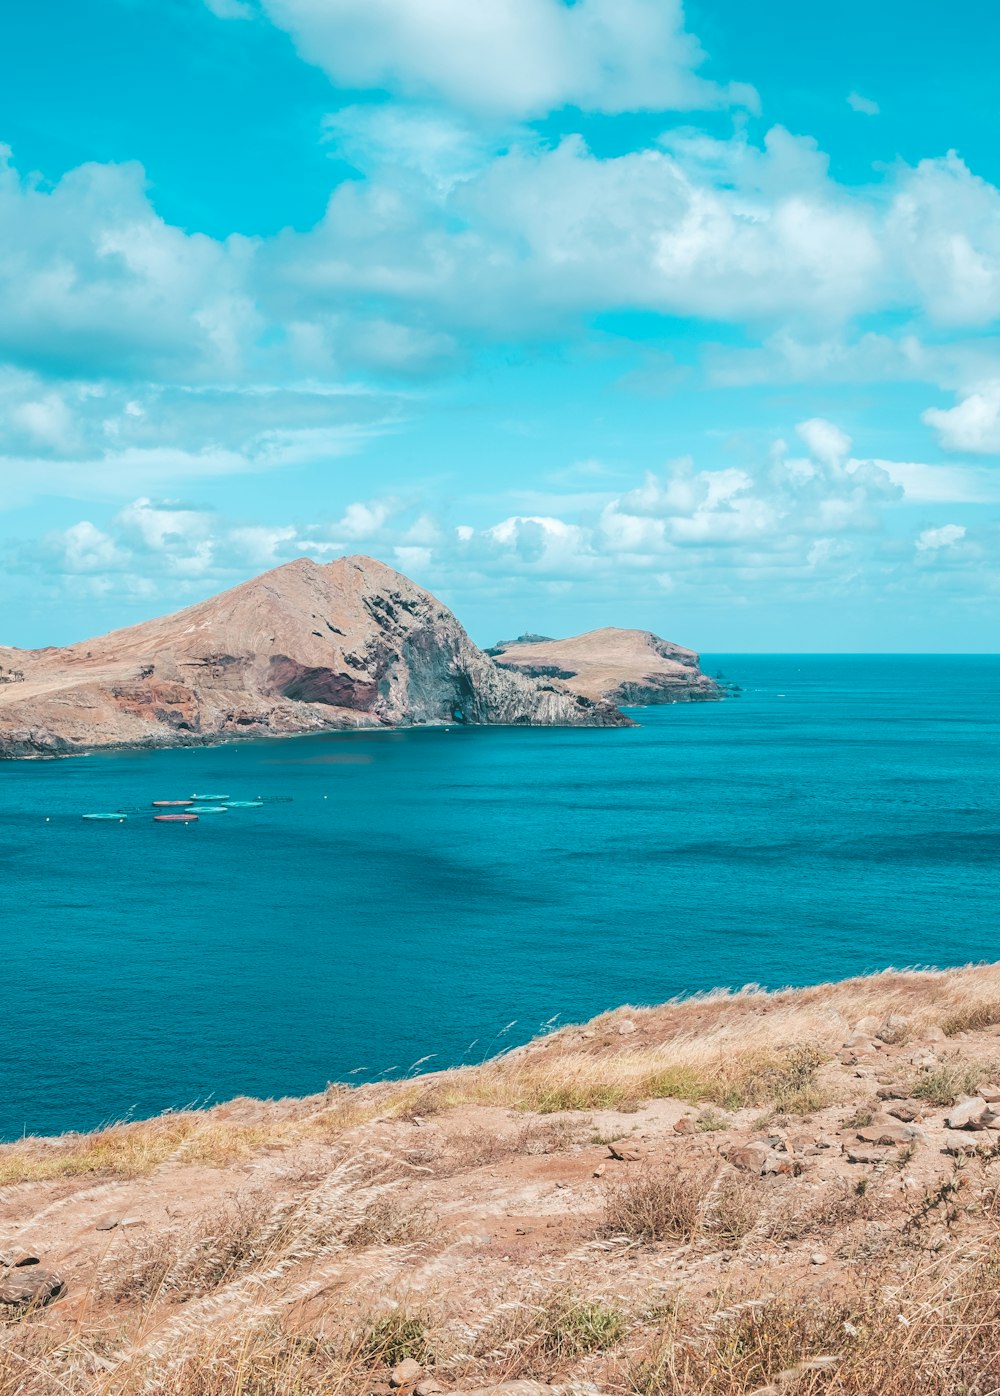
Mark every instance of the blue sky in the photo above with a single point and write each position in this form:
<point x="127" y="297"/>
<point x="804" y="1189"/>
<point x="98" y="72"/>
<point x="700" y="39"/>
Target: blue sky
<point x="613" y="312"/>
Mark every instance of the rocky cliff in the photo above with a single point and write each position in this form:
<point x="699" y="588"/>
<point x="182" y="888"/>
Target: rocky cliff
<point x="303" y="648"/>
<point x="618" y="666"/>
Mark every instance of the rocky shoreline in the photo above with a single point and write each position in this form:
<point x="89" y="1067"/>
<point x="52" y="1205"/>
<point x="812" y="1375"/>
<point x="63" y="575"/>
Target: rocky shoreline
<point x="734" y="1194"/>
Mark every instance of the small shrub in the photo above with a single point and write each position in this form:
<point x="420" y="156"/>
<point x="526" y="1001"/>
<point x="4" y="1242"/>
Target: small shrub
<point x="389" y="1222"/>
<point x="575" y="1327"/>
<point x="394" y="1337"/>
<point x="972" y="1018"/>
<point x="737" y="1208"/>
<point x="945" y="1084"/>
<point x="657" y="1205"/>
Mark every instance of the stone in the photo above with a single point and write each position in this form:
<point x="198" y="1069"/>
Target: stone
<point x="906" y="1110"/>
<point x="760" y="1158"/>
<point x="15" y="1260"/>
<point x="934" y="1034"/>
<point x="27" y="1287"/>
<point x="866" y="1153"/>
<point x="973" y="1113"/>
<point x="893" y="1029"/>
<point x="891" y="1093"/>
<point x="924" y="1061"/>
<point x="599" y="1171"/>
<point x="406" y="1373"/>
<point x="817" y="1258"/>
<point x="685" y="1125"/>
<point x="751" y="1157"/>
<point x="990" y="1093"/>
<point x="429" y="1386"/>
<point x="512" y="1388"/>
<point x="624" y="1152"/>
<point x="890" y="1132"/>
<point x="626" y="1028"/>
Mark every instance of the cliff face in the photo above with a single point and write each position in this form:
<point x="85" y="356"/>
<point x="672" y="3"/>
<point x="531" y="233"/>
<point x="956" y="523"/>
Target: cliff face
<point x="303" y="648"/>
<point x="618" y="666"/>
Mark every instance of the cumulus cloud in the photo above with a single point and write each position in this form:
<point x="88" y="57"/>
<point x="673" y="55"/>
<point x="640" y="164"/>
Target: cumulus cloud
<point x="510" y="57"/>
<point x="932" y="539"/>
<point x="864" y="105"/>
<point x="973" y="424"/>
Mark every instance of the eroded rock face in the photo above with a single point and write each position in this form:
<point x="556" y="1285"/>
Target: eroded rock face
<point x="619" y="666"/>
<point x="303" y="648"/>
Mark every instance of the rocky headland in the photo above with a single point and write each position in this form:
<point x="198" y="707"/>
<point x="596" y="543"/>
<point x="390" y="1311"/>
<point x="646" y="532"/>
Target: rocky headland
<point x="612" y="665"/>
<point x="741" y="1193"/>
<point x="303" y="648"/>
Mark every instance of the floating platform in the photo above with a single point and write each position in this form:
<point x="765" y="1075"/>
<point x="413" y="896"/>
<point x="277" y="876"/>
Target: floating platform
<point x="169" y="804"/>
<point x="245" y="804"/>
<point x="119" y="817"/>
<point x="207" y="809"/>
<point x="175" y="818"/>
<point x="210" y="799"/>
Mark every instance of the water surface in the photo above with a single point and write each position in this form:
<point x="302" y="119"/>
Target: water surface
<point x="416" y="893"/>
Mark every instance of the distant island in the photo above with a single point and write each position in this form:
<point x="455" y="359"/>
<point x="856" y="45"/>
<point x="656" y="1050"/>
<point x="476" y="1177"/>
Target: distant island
<point x="309" y="647"/>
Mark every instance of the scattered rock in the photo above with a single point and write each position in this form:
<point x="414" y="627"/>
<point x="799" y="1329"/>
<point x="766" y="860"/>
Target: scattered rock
<point x="686" y="1125"/>
<point x="907" y="1110"/>
<point x="626" y="1027"/>
<point x="934" y="1034"/>
<point x="866" y="1153"/>
<point x="817" y="1258"/>
<point x="891" y="1093"/>
<point x="406" y="1373"/>
<point x="924" y="1061"/>
<point x="990" y="1093"/>
<point x="893" y="1029"/>
<point x="763" y="1159"/>
<point x="429" y="1386"/>
<point x="599" y="1170"/>
<point x="624" y="1152"/>
<point x="890" y="1132"/>
<point x="512" y="1388"/>
<point x="25" y="1287"/>
<point x="974" y="1113"/>
<point x="15" y="1260"/>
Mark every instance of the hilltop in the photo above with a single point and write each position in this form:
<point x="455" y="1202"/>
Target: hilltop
<point x="303" y="648"/>
<point x="612" y="665"/>
<point x="740" y="1193"/>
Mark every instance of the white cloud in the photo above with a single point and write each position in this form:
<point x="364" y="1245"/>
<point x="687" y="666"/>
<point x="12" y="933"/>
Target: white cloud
<point x="931" y="539"/>
<point x="826" y="441"/>
<point x="518" y="58"/>
<point x="972" y="425"/>
<point x="864" y="105"/>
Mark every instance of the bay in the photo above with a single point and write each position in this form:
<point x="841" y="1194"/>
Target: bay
<point x="408" y="900"/>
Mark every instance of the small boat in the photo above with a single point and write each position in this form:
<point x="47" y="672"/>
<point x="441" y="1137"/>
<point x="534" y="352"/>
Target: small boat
<point x="119" y="817"/>
<point x="207" y="809"/>
<point x="245" y="804"/>
<point x="175" y="818"/>
<point x="168" y="804"/>
<point x="210" y="799"/>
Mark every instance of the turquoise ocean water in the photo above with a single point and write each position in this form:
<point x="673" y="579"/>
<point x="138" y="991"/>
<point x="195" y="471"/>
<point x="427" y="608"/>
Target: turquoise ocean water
<point x="440" y="895"/>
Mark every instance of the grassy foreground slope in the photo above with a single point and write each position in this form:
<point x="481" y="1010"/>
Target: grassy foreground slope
<point x="737" y="1193"/>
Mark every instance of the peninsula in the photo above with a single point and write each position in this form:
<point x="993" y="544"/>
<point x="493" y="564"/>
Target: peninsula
<point x="308" y="647"/>
<point x="613" y="665"/>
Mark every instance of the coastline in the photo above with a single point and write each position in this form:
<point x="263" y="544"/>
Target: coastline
<point x="737" y="1186"/>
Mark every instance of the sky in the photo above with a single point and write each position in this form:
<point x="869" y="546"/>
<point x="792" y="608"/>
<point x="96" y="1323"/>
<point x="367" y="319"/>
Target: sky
<point x="605" y="312"/>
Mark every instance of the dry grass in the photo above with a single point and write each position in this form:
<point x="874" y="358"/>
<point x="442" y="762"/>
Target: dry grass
<point x="344" y="1197"/>
<point x="728" y="1050"/>
<point x="660" y="1203"/>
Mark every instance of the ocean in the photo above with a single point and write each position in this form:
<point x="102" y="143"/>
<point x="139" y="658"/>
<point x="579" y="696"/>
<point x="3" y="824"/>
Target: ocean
<point x="410" y="900"/>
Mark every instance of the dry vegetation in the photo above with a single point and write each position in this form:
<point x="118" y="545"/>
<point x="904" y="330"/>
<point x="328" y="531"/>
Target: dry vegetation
<point x="542" y="1217"/>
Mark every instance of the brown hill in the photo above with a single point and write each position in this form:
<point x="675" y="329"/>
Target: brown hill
<point x="754" y="1193"/>
<point x="303" y="648"/>
<point x="621" y="666"/>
